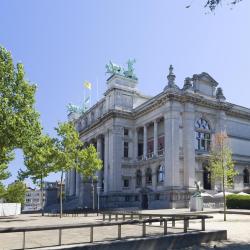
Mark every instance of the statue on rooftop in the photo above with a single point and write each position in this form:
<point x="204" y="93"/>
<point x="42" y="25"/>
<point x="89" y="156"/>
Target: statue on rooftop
<point x="71" y="108"/>
<point x="130" y="70"/>
<point x="113" y="68"/>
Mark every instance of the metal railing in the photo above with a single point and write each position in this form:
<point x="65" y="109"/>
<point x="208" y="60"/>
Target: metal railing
<point x="163" y="222"/>
<point x="169" y="217"/>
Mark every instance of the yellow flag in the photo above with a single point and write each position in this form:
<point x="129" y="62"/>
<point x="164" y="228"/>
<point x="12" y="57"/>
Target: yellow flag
<point x="87" y="85"/>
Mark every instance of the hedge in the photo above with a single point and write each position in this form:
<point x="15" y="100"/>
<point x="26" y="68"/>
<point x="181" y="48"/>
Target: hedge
<point x="238" y="201"/>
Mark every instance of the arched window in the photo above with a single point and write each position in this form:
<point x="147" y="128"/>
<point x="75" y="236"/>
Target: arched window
<point x="246" y="176"/>
<point x="202" y="134"/>
<point x="206" y="177"/>
<point x="138" y="178"/>
<point x="149" y="176"/>
<point x="160" y="174"/>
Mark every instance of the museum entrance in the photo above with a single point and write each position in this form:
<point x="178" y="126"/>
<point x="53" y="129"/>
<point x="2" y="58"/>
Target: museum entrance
<point x="144" y="201"/>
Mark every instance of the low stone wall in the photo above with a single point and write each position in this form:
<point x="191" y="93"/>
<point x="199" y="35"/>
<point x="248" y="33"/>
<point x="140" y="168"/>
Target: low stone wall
<point x="9" y="209"/>
<point x="174" y="241"/>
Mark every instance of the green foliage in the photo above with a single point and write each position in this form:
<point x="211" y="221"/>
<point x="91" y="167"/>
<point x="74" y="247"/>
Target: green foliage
<point x="67" y="147"/>
<point x="19" y="121"/>
<point x="89" y="161"/>
<point x="221" y="163"/>
<point x="16" y="192"/>
<point x="5" y="157"/>
<point x="39" y="158"/>
<point x="238" y="201"/>
<point x="212" y="4"/>
<point x="2" y="191"/>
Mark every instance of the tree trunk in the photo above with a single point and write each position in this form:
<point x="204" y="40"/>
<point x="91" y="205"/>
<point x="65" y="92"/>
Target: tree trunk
<point x="42" y="205"/>
<point x="224" y="196"/>
<point x="61" y="196"/>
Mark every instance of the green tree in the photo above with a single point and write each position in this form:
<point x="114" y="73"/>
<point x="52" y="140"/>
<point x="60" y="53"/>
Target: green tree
<point x="19" y="120"/>
<point x="89" y="161"/>
<point x="68" y="146"/>
<point x="221" y="164"/>
<point x="212" y="4"/>
<point x="39" y="161"/>
<point x="5" y="157"/>
<point x="2" y="191"/>
<point x="16" y="192"/>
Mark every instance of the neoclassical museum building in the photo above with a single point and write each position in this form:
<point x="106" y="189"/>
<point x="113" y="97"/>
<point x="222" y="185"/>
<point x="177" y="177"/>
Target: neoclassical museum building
<point x="154" y="148"/>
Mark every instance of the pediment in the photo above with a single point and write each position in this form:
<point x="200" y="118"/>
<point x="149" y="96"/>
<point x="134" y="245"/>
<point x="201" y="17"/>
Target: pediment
<point x="204" y="84"/>
<point x="205" y="77"/>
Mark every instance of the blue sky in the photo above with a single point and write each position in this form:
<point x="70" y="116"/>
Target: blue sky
<point x="62" y="43"/>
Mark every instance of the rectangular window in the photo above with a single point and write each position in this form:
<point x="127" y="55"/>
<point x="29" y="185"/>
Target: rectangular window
<point x="157" y="197"/>
<point x="125" y="150"/>
<point x="127" y="198"/>
<point x="140" y="149"/>
<point x="126" y="183"/>
<point x="125" y="132"/>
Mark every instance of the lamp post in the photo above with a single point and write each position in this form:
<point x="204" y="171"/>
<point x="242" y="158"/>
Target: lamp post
<point x="93" y="195"/>
<point x="98" y="199"/>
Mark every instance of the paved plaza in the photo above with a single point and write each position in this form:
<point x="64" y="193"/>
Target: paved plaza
<point x="238" y="227"/>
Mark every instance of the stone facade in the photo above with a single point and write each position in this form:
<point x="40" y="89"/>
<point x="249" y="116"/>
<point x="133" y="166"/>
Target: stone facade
<point x="154" y="148"/>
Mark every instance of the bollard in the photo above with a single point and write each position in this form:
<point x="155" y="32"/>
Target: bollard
<point x="119" y="231"/>
<point x="91" y="234"/>
<point x="165" y="227"/>
<point x="60" y="237"/>
<point x="131" y="217"/>
<point x="173" y="222"/>
<point x="116" y="217"/>
<point x="143" y="229"/>
<point x="203" y="224"/>
<point x="123" y="216"/>
<point x="185" y="225"/>
<point x="23" y="239"/>
<point x="103" y="217"/>
<point x="109" y="217"/>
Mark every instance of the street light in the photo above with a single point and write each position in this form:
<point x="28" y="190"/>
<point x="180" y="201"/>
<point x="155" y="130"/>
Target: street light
<point x="93" y="195"/>
<point x="98" y="199"/>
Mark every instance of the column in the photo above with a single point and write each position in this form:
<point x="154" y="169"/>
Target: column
<point x="74" y="181"/>
<point x="154" y="178"/>
<point x="115" y="158"/>
<point x="106" y="165"/>
<point x="155" y="138"/>
<point x="99" y="150"/>
<point x="189" y="145"/>
<point x="135" y="143"/>
<point x="145" y="141"/>
<point x="71" y="181"/>
<point x="172" y="144"/>
<point x="77" y="184"/>
<point x="130" y="144"/>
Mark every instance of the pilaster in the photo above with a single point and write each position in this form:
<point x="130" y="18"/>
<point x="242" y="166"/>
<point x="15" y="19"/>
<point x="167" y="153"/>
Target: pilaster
<point x="189" y="145"/>
<point x="172" y="144"/>
<point x="155" y="138"/>
<point x="106" y="162"/>
<point x="145" y="141"/>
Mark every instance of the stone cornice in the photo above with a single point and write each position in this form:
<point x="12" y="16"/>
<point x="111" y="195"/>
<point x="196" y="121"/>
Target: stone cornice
<point x="101" y="121"/>
<point x="185" y="97"/>
<point x="164" y="97"/>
